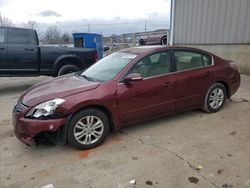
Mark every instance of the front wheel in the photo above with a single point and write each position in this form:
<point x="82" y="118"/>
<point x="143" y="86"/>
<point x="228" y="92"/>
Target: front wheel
<point x="88" y="128"/>
<point x="215" y="98"/>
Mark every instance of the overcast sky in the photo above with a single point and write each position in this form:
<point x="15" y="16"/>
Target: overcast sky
<point x="50" y="11"/>
<point x="75" y="15"/>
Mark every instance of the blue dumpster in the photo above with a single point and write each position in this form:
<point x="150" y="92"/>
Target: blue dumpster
<point x="89" y="40"/>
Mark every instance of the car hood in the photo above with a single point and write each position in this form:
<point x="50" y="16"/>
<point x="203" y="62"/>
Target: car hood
<point x="59" y="87"/>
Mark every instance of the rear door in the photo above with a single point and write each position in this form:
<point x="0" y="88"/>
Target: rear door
<point x="22" y="51"/>
<point x="192" y="78"/>
<point x="3" y="51"/>
<point x="151" y="96"/>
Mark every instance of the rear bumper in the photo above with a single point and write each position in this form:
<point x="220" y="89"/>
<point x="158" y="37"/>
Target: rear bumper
<point x="235" y="85"/>
<point x="234" y="88"/>
<point x="27" y="129"/>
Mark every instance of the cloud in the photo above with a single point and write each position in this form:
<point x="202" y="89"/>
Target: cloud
<point x="3" y="2"/>
<point x="48" y="13"/>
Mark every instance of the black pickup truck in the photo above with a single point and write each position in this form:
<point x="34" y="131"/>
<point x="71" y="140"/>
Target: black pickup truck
<point x="21" y="55"/>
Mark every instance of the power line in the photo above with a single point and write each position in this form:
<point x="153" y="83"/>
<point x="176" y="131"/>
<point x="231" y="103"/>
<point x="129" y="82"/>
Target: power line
<point x="109" y="24"/>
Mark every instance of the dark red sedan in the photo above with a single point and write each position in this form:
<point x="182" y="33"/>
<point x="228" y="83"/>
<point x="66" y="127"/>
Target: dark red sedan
<point x="126" y="87"/>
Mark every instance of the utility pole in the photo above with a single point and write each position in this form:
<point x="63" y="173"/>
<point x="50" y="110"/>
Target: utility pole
<point x="145" y="25"/>
<point x="88" y="28"/>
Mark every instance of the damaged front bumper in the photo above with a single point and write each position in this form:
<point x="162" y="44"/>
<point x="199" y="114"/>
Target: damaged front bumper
<point x="27" y="129"/>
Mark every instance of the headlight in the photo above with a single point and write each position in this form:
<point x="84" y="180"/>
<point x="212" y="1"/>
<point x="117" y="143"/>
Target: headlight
<point x="45" y="109"/>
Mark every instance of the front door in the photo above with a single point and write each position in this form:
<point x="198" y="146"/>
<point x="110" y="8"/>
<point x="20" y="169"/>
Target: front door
<point x="151" y="96"/>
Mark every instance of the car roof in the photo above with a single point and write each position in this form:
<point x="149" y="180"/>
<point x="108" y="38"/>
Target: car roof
<point x="154" y="48"/>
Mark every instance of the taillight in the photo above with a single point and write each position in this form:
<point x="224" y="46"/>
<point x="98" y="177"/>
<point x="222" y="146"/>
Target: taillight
<point x="96" y="57"/>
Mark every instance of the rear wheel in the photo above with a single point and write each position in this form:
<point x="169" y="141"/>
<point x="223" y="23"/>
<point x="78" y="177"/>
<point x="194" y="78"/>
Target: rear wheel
<point x="141" y="42"/>
<point x="66" y="69"/>
<point x="164" y="40"/>
<point x="215" y="98"/>
<point x="88" y="128"/>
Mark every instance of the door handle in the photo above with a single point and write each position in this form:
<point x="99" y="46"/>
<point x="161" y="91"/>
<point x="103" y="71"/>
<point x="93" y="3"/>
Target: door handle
<point x="2" y="48"/>
<point x="209" y="74"/>
<point x="168" y="84"/>
<point x="29" y="49"/>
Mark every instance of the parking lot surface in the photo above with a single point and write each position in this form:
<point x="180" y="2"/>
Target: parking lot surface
<point x="190" y="149"/>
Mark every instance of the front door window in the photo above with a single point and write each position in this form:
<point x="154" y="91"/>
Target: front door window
<point x="153" y="65"/>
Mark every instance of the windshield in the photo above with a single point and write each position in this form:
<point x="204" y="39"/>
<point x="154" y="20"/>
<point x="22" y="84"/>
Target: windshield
<point x="108" y="67"/>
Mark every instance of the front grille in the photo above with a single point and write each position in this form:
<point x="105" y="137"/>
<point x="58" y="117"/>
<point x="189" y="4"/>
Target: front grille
<point x="19" y="107"/>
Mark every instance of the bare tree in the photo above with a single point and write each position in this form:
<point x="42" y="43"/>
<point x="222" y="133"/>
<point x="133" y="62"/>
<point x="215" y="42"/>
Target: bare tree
<point x="5" y="21"/>
<point x="31" y="24"/>
<point x="52" y="36"/>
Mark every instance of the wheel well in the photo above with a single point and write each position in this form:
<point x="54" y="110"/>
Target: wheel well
<point x="104" y="110"/>
<point x="69" y="61"/>
<point x="164" y="36"/>
<point x="226" y="86"/>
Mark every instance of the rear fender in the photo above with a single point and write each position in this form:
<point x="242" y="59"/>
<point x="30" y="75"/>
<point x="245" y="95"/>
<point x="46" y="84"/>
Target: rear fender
<point x="76" y="60"/>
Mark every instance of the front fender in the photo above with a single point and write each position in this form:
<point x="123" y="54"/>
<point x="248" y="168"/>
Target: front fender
<point x="102" y="96"/>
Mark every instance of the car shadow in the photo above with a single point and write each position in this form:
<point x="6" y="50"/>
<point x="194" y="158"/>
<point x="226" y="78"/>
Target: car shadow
<point x="163" y="121"/>
<point x="168" y="119"/>
<point x="115" y="136"/>
<point x="137" y="127"/>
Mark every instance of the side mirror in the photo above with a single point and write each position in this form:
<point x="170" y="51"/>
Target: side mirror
<point x="133" y="77"/>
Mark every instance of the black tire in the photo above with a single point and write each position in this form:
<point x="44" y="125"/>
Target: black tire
<point x="72" y="140"/>
<point x="141" y="42"/>
<point x="164" y="40"/>
<point x="66" y="69"/>
<point x="208" y="107"/>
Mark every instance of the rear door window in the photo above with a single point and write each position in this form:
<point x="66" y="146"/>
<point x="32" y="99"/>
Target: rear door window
<point x="19" y="36"/>
<point x="185" y="60"/>
<point x="2" y="35"/>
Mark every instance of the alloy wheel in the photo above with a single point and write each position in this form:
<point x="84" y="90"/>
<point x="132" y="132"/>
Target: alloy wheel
<point x="88" y="130"/>
<point x="216" y="98"/>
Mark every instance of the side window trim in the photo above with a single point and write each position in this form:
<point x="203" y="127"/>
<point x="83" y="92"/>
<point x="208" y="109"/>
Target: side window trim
<point x="172" y="61"/>
<point x="192" y="51"/>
